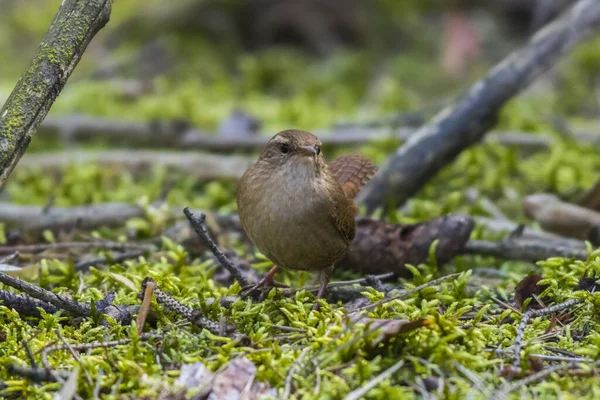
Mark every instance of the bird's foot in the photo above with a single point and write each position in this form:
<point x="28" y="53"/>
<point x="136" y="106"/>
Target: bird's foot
<point x="266" y="283"/>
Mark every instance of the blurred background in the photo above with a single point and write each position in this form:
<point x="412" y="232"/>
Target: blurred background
<point x="254" y="67"/>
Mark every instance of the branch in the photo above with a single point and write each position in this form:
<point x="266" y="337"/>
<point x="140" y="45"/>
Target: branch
<point x="524" y="250"/>
<point x="25" y="305"/>
<point x="195" y="316"/>
<point x="59" y="301"/>
<point x="73" y="27"/>
<point x="456" y="128"/>
<point x="197" y="224"/>
<point x="171" y="134"/>
<point x="33" y="219"/>
<point x="533" y="314"/>
<point x="201" y="166"/>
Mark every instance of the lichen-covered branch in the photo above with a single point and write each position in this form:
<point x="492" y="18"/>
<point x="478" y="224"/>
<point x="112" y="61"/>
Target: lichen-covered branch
<point x="72" y="29"/>
<point x="458" y="127"/>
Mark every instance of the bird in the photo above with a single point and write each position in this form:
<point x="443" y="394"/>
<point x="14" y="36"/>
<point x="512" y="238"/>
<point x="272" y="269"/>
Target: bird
<point x="297" y="210"/>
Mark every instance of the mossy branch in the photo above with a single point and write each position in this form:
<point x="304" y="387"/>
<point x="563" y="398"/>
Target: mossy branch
<point x="457" y="127"/>
<point x="73" y="27"/>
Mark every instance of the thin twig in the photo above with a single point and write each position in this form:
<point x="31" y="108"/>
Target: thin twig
<point x="406" y="293"/>
<point x="36" y="374"/>
<point x="363" y="390"/>
<point x="25" y="305"/>
<point x="62" y="302"/>
<point x="506" y="389"/>
<point x="75" y="356"/>
<point x="90" y="346"/>
<point x="37" y="248"/>
<point x="143" y="313"/>
<point x="198" y="225"/>
<point x="194" y="316"/>
<point x="85" y="265"/>
<point x="524" y="250"/>
<point x="292" y="371"/>
<point x="533" y="314"/>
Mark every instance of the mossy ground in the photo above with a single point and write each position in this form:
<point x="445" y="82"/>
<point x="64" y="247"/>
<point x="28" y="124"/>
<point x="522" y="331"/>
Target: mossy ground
<point x="287" y="88"/>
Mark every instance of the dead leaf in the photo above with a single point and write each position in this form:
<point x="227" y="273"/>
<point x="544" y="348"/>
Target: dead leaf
<point x="236" y="381"/>
<point x="390" y="328"/>
<point x="527" y="288"/>
<point x="380" y="247"/>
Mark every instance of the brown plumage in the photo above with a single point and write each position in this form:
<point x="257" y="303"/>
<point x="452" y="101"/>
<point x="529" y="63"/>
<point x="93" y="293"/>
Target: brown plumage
<point x="353" y="171"/>
<point x="297" y="210"/>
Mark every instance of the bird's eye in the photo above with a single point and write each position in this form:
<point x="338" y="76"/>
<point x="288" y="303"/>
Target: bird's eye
<point x="284" y="147"/>
<point x="318" y="149"/>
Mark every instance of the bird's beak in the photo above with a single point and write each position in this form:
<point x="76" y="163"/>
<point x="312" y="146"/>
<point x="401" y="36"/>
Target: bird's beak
<point x="309" y="150"/>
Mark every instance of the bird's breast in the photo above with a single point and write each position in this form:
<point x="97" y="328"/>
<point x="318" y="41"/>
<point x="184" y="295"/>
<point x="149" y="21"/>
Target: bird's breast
<point x="289" y="219"/>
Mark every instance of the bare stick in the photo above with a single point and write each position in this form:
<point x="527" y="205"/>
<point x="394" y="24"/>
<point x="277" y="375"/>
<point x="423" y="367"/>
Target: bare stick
<point x="25" y="305"/>
<point x="363" y="390"/>
<point x="194" y="316"/>
<point x="503" y="392"/>
<point x="532" y="314"/>
<point x="61" y="302"/>
<point x="90" y="346"/>
<point x="73" y="27"/>
<point x="197" y="224"/>
<point x="524" y="250"/>
<point x="36" y="374"/>
<point x="141" y="318"/>
<point x="292" y="371"/>
<point x="75" y="356"/>
<point x="165" y="134"/>
<point x="85" y="265"/>
<point x="406" y="293"/>
<point x="201" y="166"/>
<point x="458" y="127"/>
<point x="31" y="218"/>
<point x="37" y="248"/>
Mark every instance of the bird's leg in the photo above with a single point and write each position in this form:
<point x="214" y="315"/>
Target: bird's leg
<point x="267" y="281"/>
<point x="324" y="276"/>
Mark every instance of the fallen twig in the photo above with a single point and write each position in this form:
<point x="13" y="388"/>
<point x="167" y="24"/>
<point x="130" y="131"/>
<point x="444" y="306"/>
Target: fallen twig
<point x="38" y="375"/>
<point x="497" y="225"/>
<point x="524" y="250"/>
<point x="290" y="375"/>
<point x="167" y="134"/>
<point x="202" y="167"/>
<point x="121" y="314"/>
<point x="458" y="127"/>
<point x="90" y="346"/>
<point x="532" y="313"/>
<point x="25" y="305"/>
<point x="62" y="302"/>
<point x="194" y="316"/>
<point x="31" y="218"/>
<point x="85" y="265"/>
<point x="506" y="389"/>
<point x="406" y="293"/>
<point x="363" y="390"/>
<point x="75" y="24"/>
<point x="141" y="318"/>
<point x="197" y="224"/>
<point x="38" y="248"/>
<point x="75" y="356"/>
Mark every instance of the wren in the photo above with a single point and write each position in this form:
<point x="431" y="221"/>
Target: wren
<point x="297" y="210"/>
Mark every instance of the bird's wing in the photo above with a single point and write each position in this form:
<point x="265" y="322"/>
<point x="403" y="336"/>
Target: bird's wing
<point x="352" y="171"/>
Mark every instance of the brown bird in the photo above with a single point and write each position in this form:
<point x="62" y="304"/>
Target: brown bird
<point x="297" y="210"/>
